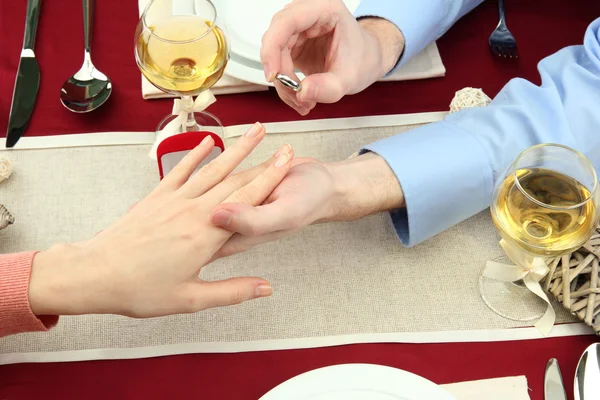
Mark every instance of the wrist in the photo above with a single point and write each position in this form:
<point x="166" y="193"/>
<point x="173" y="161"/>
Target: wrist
<point x="362" y="186"/>
<point x="58" y="283"/>
<point x="386" y="44"/>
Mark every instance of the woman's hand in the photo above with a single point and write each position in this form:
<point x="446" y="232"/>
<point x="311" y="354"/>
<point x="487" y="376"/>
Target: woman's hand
<point x="147" y="263"/>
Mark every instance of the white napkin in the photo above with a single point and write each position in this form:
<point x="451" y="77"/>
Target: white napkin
<point x="226" y="85"/>
<point x="509" y="388"/>
<point x="427" y="64"/>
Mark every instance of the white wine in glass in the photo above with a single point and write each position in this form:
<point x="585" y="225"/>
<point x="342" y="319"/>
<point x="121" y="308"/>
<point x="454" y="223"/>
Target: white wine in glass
<point x="545" y="205"/>
<point x="181" y="48"/>
<point x="543" y="212"/>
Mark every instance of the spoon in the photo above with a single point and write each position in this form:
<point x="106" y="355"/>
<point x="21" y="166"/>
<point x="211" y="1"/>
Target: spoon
<point x="587" y="374"/>
<point x="89" y="88"/>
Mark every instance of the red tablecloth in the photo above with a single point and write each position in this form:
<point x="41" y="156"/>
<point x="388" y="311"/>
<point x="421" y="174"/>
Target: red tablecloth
<point x="247" y="376"/>
<point x="541" y="28"/>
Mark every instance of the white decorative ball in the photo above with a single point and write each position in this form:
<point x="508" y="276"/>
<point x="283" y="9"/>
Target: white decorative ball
<point x="467" y="98"/>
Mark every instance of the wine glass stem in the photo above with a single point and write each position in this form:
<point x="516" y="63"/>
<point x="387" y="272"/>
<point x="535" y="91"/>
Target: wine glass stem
<point x="188" y="103"/>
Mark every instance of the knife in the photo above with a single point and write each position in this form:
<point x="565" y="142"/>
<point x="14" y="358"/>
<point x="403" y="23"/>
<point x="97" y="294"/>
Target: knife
<point x="28" y="79"/>
<point x="554" y="389"/>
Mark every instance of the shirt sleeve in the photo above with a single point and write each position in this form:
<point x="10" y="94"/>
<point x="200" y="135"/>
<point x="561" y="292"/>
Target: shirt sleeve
<point x="15" y="313"/>
<point x="447" y="170"/>
<point x="420" y="21"/>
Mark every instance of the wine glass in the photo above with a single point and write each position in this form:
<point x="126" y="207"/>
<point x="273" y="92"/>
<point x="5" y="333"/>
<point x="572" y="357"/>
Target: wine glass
<point x="181" y="47"/>
<point x="545" y="205"/>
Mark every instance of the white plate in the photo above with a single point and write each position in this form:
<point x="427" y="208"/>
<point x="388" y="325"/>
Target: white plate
<point x="247" y="70"/>
<point x="248" y="20"/>
<point x="358" y="382"/>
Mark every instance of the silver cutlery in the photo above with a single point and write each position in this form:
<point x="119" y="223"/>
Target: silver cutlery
<point x="587" y="374"/>
<point x="502" y="42"/>
<point x="554" y="389"/>
<point x="28" y="79"/>
<point x="89" y="88"/>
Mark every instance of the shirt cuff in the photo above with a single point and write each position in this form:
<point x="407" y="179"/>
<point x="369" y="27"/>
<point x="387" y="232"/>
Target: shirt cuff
<point x="444" y="174"/>
<point x="15" y="313"/>
<point x="417" y="20"/>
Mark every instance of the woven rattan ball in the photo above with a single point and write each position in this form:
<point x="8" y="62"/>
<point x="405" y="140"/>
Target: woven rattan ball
<point x="467" y="98"/>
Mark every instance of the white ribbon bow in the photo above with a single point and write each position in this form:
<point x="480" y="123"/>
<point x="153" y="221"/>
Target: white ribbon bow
<point x="177" y="125"/>
<point x="531" y="270"/>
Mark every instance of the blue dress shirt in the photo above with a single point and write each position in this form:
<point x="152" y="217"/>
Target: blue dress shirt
<point x="420" y="21"/>
<point x="447" y="170"/>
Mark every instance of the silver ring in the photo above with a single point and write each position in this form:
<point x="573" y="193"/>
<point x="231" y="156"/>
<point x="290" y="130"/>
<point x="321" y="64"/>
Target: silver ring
<point x="289" y="82"/>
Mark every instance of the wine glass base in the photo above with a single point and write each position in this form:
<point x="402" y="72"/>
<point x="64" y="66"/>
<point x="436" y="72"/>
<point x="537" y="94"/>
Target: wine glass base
<point x="204" y="121"/>
<point x="511" y="300"/>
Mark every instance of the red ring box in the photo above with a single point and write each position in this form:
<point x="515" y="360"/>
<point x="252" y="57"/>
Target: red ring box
<point x="171" y="150"/>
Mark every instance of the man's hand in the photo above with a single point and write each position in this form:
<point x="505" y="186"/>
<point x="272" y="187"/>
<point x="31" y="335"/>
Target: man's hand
<point x="311" y="192"/>
<point x="338" y="54"/>
<point x="305" y="196"/>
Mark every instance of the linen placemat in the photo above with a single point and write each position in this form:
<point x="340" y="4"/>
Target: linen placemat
<point x="334" y="283"/>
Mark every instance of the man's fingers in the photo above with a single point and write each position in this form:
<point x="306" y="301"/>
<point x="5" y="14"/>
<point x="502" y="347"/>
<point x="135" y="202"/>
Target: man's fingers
<point x="256" y="220"/>
<point x="292" y="20"/>
<point x="252" y="221"/>
<point x="288" y="95"/>
<point x="219" y="168"/>
<point x="228" y="292"/>
<point x="322" y="88"/>
<point x="289" y="98"/>
<point x="240" y="243"/>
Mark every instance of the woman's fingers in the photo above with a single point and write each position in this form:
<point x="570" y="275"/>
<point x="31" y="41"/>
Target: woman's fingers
<point x="219" y="168"/>
<point x="186" y="167"/>
<point x="227" y="292"/>
<point x="241" y="178"/>
<point x="256" y="191"/>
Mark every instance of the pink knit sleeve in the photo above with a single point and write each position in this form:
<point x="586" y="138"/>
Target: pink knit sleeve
<point x="15" y="314"/>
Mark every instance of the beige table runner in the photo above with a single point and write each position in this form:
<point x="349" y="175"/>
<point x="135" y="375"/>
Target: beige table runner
<point x="334" y="283"/>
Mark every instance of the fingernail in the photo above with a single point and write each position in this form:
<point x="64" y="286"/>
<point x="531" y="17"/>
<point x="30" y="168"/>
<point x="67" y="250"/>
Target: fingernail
<point x="263" y="291"/>
<point x="283" y="149"/>
<point x="303" y="111"/>
<point x="307" y="91"/>
<point x="252" y="132"/>
<point x="222" y="217"/>
<point x="282" y="160"/>
<point x="206" y="140"/>
<point x="269" y="75"/>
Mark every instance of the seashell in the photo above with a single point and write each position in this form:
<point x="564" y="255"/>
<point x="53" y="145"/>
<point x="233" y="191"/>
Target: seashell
<point x="5" y="218"/>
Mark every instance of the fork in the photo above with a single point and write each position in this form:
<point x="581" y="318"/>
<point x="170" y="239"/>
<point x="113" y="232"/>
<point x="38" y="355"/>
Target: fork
<point x="502" y="42"/>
